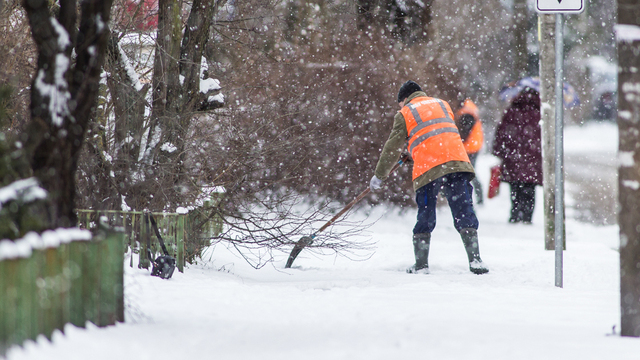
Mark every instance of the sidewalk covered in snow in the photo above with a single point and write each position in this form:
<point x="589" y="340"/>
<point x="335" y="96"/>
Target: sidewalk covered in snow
<point x="367" y="307"/>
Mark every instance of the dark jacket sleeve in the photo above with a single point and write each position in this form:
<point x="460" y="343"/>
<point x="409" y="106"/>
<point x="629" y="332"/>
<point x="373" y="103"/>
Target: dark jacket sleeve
<point x="465" y="124"/>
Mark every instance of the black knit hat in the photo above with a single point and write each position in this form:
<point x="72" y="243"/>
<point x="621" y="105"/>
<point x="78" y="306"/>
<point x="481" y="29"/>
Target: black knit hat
<point x="407" y="89"/>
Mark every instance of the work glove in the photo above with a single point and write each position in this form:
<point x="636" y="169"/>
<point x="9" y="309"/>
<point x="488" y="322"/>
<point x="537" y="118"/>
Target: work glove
<point x="375" y="183"/>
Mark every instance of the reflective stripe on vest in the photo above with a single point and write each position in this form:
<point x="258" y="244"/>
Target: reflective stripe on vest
<point x="433" y="135"/>
<point x="423" y="124"/>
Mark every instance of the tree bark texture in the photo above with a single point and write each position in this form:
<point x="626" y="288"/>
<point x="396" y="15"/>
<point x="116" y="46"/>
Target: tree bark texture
<point x="144" y="164"/>
<point x="629" y="165"/>
<point x="548" y="111"/>
<point x="63" y="94"/>
<point x="128" y="100"/>
<point x="521" y="53"/>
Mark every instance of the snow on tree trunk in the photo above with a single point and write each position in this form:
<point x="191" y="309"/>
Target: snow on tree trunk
<point x="63" y="94"/>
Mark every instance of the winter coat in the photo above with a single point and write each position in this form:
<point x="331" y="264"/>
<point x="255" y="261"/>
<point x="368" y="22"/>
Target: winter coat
<point x="395" y="144"/>
<point x="517" y="140"/>
<point x="470" y="127"/>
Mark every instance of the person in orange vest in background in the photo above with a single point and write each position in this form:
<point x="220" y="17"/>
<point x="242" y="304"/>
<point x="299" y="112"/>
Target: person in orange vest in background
<point x="470" y="128"/>
<point x="440" y="162"/>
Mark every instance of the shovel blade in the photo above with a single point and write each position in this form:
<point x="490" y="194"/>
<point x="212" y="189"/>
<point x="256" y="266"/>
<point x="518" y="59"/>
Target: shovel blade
<point x="301" y="244"/>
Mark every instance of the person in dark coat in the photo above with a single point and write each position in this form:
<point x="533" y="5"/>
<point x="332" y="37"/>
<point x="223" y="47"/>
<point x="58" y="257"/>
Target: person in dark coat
<point x="517" y="142"/>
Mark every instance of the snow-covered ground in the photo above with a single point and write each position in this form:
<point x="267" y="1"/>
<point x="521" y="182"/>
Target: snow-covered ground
<point x="333" y="307"/>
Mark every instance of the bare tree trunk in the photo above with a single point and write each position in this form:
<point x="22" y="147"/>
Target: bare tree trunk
<point x="166" y="70"/>
<point x="547" y="111"/>
<point x="128" y="102"/>
<point x="521" y="55"/>
<point x="150" y="152"/>
<point x="128" y="99"/>
<point x="195" y="37"/>
<point x="63" y="94"/>
<point x="629" y="164"/>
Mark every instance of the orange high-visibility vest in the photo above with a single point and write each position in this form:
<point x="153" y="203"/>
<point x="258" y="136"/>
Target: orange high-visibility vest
<point x="433" y="135"/>
<point x="475" y="140"/>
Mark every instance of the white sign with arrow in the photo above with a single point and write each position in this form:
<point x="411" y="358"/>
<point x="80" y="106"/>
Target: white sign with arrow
<point x="560" y="6"/>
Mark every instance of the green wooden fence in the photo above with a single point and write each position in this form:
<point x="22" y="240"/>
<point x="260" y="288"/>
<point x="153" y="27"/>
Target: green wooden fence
<point x="45" y="285"/>
<point x="138" y="233"/>
<point x="185" y="235"/>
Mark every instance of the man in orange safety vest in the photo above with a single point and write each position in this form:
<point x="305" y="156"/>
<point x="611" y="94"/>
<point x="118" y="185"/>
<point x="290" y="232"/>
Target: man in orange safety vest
<point x="440" y="162"/>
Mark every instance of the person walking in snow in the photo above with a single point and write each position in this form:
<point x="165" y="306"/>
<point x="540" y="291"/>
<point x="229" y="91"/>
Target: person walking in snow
<point x="470" y="128"/>
<point x="440" y="162"/>
<point x="517" y="142"/>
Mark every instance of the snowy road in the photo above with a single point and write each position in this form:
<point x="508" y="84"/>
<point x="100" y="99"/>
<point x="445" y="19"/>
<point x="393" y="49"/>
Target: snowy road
<point x="592" y="172"/>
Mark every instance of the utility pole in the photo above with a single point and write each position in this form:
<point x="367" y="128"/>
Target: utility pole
<point x="546" y="36"/>
<point x="628" y="39"/>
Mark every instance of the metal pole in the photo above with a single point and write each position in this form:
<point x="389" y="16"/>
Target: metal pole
<point x="559" y="186"/>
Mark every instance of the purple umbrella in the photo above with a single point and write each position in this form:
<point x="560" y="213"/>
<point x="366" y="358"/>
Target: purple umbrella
<point x="509" y="91"/>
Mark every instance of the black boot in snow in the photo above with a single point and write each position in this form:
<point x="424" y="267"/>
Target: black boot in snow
<point x="470" y="240"/>
<point x="421" y="250"/>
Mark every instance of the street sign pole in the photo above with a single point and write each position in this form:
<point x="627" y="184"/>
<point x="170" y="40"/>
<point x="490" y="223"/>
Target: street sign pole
<point x="559" y="186"/>
<point x="559" y="7"/>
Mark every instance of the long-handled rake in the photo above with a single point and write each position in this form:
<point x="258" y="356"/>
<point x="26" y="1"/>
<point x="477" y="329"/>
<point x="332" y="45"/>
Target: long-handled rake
<point x="308" y="240"/>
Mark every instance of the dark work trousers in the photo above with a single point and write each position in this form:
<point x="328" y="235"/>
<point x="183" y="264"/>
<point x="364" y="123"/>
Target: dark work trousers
<point x="477" y="187"/>
<point x="523" y="199"/>
<point x="457" y="189"/>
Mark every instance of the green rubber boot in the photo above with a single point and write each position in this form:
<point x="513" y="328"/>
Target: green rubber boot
<point x="421" y="244"/>
<point x="470" y="240"/>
